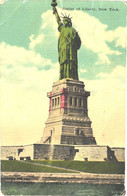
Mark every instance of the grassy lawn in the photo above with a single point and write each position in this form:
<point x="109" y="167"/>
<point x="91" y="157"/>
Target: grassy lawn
<point x="90" y="166"/>
<point x="17" y="166"/>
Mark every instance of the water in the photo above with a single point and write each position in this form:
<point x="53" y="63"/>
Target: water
<point x="61" y="189"/>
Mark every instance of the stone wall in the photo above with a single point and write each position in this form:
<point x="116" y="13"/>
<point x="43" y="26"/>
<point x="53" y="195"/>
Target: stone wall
<point x="71" y="152"/>
<point x="53" y="152"/>
<point x="119" y="153"/>
<point x="77" y="140"/>
<point x="64" y="152"/>
<point x="91" y="153"/>
<point x="27" y="152"/>
<point x="16" y="152"/>
<point x="10" y="151"/>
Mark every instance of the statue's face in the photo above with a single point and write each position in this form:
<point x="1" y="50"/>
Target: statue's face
<point x="65" y="21"/>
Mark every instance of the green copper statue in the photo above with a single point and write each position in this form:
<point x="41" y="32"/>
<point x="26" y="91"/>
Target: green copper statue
<point x="68" y="44"/>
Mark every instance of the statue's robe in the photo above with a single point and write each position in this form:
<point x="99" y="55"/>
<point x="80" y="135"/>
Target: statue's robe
<point x="68" y="44"/>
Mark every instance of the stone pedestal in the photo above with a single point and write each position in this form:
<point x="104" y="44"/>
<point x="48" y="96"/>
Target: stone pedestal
<point x="68" y="121"/>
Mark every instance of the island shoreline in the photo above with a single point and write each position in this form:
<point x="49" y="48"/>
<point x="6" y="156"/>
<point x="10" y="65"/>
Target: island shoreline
<point x="87" y="178"/>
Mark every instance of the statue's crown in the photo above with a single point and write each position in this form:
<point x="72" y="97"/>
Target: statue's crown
<point x="65" y="17"/>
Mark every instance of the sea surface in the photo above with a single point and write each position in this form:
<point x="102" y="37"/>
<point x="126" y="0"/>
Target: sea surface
<point x="61" y="189"/>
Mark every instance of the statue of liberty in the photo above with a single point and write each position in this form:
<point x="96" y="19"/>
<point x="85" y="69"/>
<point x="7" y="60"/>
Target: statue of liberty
<point x="68" y="44"/>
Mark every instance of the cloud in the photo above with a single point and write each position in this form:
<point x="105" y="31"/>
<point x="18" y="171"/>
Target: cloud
<point x="35" y="42"/>
<point x="2" y="1"/>
<point x="94" y="36"/>
<point x="24" y="85"/>
<point x="83" y="70"/>
<point x="24" y="107"/>
<point x="24" y="104"/>
<point x="103" y="59"/>
<point x="102" y="75"/>
<point x="107" y="106"/>
<point x="48" y="28"/>
<point x="12" y="56"/>
<point x="118" y="35"/>
<point x="48" y="21"/>
<point x="24" y="1"/>
<point x="93" y="33"/>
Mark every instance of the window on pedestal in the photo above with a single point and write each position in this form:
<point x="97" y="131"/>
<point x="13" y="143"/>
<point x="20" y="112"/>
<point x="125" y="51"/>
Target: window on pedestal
<point x="74" y="89"/>
<point x="80" y="102"/>
<point x="84" y="103"/>
<point x="55" y="101"/>
<point x="52" y="102"/>
<point x="58" y="100"/>
<point x="75" y="101"/>
<point x="70" y="101"/>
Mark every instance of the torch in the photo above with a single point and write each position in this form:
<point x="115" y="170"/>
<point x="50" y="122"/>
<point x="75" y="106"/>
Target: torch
<point x="54" y="4"/>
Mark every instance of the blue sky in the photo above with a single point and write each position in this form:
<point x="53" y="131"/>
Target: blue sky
<point x="29" y="65"/>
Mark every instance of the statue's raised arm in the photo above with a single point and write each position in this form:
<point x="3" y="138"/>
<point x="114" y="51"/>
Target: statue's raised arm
<point x="68" y="44"/>
<point x="54" y="4"/>
<point x="56" y="15"/>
